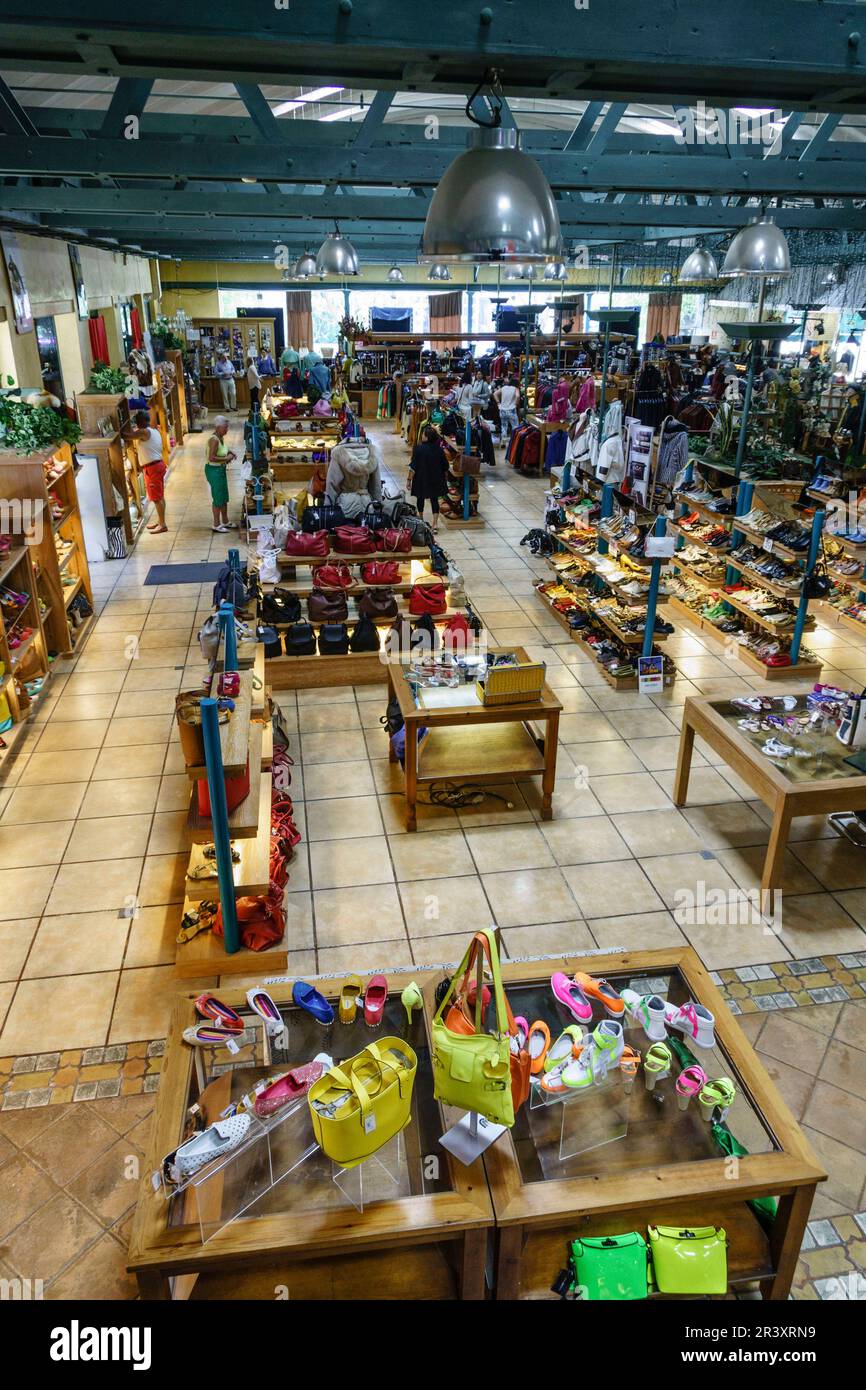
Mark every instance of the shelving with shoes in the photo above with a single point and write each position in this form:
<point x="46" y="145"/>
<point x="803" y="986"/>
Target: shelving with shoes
<point x="103" y="417"/>
<point x="24" y="662"/>
<point x="297" y="437"/>
<point x="42" y="486"/>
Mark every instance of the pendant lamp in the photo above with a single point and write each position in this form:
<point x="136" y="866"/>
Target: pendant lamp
<point x="395" y="275"/>
<point x="439" y="271"/>
<point x="759" y="249"/>
<point x="337" y="256"/>
<point x="513" y="274"/>
<point x="305" y="266"/>
<point x="555" y="270"/>
<point x="493" y="204"/>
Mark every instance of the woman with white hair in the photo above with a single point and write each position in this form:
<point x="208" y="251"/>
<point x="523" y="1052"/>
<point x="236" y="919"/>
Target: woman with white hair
<point x="219" y="456"/>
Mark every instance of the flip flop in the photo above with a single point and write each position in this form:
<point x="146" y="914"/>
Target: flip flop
<point x="349" y="996"/>
<point x="571" y="996"/>
<point x="537" y="1045"/>
<point x="375" y="998"/>
<point x="261" y="1003"/>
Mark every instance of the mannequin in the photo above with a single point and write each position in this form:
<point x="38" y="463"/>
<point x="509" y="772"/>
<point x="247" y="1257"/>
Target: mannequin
<point x="354" y="475"/>
<point x="289" y="358"/>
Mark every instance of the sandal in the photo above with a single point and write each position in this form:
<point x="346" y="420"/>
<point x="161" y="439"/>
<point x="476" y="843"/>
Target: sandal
<point x="721" y="1092"/>
<point x="349" y="996"/>
<point x="628" y="1065"/>
<point x="689" y="1083"/>
<point x="656" y="1064"/>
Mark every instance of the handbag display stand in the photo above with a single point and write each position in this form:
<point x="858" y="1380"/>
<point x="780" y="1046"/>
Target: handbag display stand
<point x="473" y="1134"/>
<point x="378" y="1178"/>
<point x="588" y="1118"/>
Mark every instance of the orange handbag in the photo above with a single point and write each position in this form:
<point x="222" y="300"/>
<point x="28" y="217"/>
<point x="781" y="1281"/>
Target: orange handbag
<point x="460" y="1018"/>
<point x="427" y="598"/>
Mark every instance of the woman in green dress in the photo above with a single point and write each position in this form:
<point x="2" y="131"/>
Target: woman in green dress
<point x="219" y="456"/>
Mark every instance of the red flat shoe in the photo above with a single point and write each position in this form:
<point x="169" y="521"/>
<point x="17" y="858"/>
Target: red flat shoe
<point x="208" y="1006"/>
<point x="374" y="1001"/>
<point x="295" y="1084"/>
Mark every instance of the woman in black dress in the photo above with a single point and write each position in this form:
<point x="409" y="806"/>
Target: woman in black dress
<point x="427" y="477"/>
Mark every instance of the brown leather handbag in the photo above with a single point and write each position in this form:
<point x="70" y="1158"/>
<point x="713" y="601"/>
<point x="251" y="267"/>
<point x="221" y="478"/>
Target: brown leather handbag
<point x="327" y="607"/>
<point x="378" y="603"/>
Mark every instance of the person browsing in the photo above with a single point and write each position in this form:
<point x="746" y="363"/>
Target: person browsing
<point x="151" y="465"/>
<point x="219" y="456"/>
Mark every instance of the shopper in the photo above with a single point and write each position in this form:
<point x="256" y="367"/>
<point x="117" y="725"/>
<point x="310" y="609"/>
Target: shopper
<point x="427" y="476"/>
<point x="463" y="399"/>
<point x="219" y="456"/>
<point x="225" y="374"/>
<point x="508" y="399"/>
<point x="151" y="464"/>
<point x="480" y="397"/>
<point x="254" y="381"/>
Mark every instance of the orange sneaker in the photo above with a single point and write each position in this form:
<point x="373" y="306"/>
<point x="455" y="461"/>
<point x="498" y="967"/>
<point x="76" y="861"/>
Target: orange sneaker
<point x="602" y="991"/>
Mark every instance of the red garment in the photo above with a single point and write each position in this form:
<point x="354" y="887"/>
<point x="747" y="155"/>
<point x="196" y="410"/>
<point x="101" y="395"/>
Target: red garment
<point x="135" y="325"/>
<point x="98" y="338"/>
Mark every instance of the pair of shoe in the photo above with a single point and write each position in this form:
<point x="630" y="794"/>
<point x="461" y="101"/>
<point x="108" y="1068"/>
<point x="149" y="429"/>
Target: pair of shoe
<point x="225" y="1024"/>
<point x="577" y="994"/>
<point x="374" y="999"/>
<point x="591" y="1058"/>
<point x="656" y="1016"/>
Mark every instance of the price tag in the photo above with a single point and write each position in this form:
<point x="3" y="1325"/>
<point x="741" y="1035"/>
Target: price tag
<point x="768" y="544"/>
<point x="632" y="515"/>
<point x="232" y="1046"/>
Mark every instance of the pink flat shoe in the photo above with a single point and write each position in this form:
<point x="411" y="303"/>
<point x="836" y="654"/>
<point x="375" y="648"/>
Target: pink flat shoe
<point x="520" y="1037"/>
<point x="374" y="1001"/>
<point x="295" y="1084"/>
<point x="571" y="997"/>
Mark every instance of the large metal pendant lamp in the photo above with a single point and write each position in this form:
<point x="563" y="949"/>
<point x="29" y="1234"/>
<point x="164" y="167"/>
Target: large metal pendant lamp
<point x="700" y="265"/>
<point x="759" y="249"/>
<point x="555" y="271"/>
<point x="439" y="271"/>
<point x="305" y="266"/>
<point x="395" y="275"/>
<point x="337" y="256"/>
<point x="493" y="203"/>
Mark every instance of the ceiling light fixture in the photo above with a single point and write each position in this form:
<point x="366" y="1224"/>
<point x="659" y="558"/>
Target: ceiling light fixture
<point x="493" y="203"/>
<point x="758" y="249"/>
<point x="337" y="255"/>
<point x="700" y="265"/>
<point x="342" y="113"/>
<point x="395" y="275"/>
<point x="555" y="270"/>
<point x="305" y="266"/>
<point x="439" y="271"/>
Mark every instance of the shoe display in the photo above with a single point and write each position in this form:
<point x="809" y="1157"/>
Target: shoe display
<point x="308" y="998"/>
<point x="696" y="1022"/>
<point x="262" y="1004"/>
<point x="603" y="992"/>
<point x="214" y="1142"/>
<point x="649" y="1011"/>
<point x="375" y="999"/>
<point x="293" y="1086"/>
<point x="571" y="997"/>
<point x="537" y="1045"/>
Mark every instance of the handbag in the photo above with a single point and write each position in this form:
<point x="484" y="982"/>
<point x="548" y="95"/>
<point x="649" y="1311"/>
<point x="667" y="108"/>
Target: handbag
<point x="610" y="1267"/>
<point x="307" y="542"/>
<point x="333" y="577"/>
<point x="852" y="722"/>
<point x="209" y="637"/>
<point x="428" y="598"/>
<point x="462" y="1016"/>
<point x="354" y="540"/>
<point x="425" y="635"/>
<point x="333" y="639"/>
<point x="327" y="607"/>
<point x="323" y="516"/>
<point x="378" y="1083"/>
<point x="271" y="638"/>
<point x="456" y="586"/>
<point x="438" y="562"/>
<point x="281" y="606"/>
<point x="456" y="633"/>
<point x="364" y="636"/>
<point x="380" y="603"/>
<point x="395" y="539"/>
<point x="380" y="572"/>
<point x="474" y="1072"/>
<point x="300" y="640"/>
<point x="689" y="1260"/>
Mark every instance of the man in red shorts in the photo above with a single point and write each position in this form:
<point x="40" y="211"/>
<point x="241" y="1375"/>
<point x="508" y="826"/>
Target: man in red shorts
<point x="148" y="448"/>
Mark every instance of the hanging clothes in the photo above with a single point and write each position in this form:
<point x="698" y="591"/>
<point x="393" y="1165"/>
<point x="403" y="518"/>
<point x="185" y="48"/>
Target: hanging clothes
<point x="554" y="454"/>
<point x="650" y="400"/>
<point x="559" y="405"/>
<point x="673" y="453"/>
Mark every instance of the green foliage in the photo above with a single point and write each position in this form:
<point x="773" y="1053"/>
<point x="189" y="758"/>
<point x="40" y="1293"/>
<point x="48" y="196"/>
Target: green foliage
<point x="163" y="330"/>
<point x="26" y="429"/>
<point x="107" y="380"/>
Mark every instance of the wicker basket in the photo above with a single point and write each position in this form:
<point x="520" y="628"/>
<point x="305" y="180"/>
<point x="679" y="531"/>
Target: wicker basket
<point x="512" y="685"/>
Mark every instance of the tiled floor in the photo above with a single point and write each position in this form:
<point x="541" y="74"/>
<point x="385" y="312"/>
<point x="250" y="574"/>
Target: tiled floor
<point x="92" y="850"/>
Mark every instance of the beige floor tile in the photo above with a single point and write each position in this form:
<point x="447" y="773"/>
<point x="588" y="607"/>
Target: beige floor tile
<point x="24" y="892"/>
<point x="52" y="1238"/>
<point x="25" y="1189"/>
<point x="113" y="887"/>
<point x="174" y="762"/>
<point x="70" y="707"/>
<point x="650" y="931"/>
<point x="139" y="761"/>
<point x="140" y="679"/>
<point x="678" y="879"/>
<point x="152" y="938"/>
<point x="843" y="1066"/>
<point x="835" y="863"/>
<point x="815" y="924"/>
<point x="656" y="832"/>
<point x="145" y="999"/>
<point x="643" y="724"/>
<point x="745" y="940"/>
<point x="747" y="863"/>
<point x="109" y="837"/>
<point x="444" y="906"/>
<point x="57" y="736"/>
<point x="393" y="809"/>
<point x="572" y="796"/>
<point x="326" y="695"/>
<point x="62" y="1012"/>
<point x="142" y="704"/>
<point x="53" y="801"/>
<point x="348" y="915"/>
<point x="637" y="791"/>
<point x="15" y="939"/>
<point x="571" y="938"/>
<point x="845" y="1166"/>
<point x="94" y="682"/>
<point x="42" y="768"/>
<point x="69" y="1146"/>
<point x="585" y="728"/>
<point x="602" y="893"/>
<point x="441" y="855"/>
<point x="851" y="1027"/>
<point x="366" y="957"/>
<point x="23" y="845"/>
<point x="169" y="832"/>
<point x="836" y="1113"/>
<point x="609" y="758"/>
<point x="338" y="747"/>
<point x="174" y="793"/>
<point x="350" y="863"/>
<point x="300" y="932"/>
<point x="337" y="779"/>
<point x="514" y="810"/>
<point x="313" y="719"/>
<point x="120" y="797"/>
<point x="430" y="951"/>
<point x="706" y="786"/>
<point x="150" y="728"/>
<point x="347" y="817"/>
<point x="529" y="896"/>
<point x="727" y="826"/>
<point x="589" y="840"/>
<point x="660" y="754"/>
<point x="496" y="848"/>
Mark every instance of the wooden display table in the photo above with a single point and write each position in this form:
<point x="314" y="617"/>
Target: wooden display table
<point x="664" y="1168"/>
<point x="473" y="742"/>
<point x="422" y="1236"/>
<point x="811" y="786"/>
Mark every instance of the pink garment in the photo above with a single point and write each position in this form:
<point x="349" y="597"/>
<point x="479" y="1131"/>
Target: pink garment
<point x="559" y="403"/>
<point x="322" y="407"/>
<point x="586" y="399"/>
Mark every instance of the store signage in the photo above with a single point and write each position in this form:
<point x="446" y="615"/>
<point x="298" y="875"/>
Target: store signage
<point x="650" y="674"/>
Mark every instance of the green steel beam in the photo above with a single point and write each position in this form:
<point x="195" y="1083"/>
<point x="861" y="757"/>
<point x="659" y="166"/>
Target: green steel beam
<point x="373" y="121"/>
<point x="261" y="115"/>
<point x="13" y="118"/>
<point x="129" y="99"/>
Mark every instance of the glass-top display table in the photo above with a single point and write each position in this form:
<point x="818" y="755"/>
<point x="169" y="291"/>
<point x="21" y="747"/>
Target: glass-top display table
<point x="819" y="782"/>
<point x="277" y="1213"/>
<point x="468" y="741"/>
<point x="650" y="1162"/>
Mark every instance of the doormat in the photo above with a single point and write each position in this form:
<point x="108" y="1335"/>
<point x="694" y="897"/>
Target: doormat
<point x="184" y="574"/>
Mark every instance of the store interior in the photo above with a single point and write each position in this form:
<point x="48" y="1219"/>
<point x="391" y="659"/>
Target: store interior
<point x="432" y="668"/>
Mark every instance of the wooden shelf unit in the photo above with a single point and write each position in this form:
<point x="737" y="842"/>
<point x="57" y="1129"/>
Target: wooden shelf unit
<point x="28" y="661"/>
<point x="22" y="479"/>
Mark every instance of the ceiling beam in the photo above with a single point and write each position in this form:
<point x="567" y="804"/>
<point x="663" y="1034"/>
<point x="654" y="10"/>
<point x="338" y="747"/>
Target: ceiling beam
<point x="373" y="121"/>
<point x="261" y="115"/>
<point x="129" y="99"/>
<point x="13" y="118"/>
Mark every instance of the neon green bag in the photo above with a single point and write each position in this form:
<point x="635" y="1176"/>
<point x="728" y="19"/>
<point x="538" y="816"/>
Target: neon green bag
<point x="473" y="1071"/>
<point x="610" y="1267"/>
<point x="689" y="1260"/>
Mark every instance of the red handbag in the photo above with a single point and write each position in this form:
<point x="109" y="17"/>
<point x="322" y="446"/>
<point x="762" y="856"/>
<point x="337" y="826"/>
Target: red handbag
<point x="261" y="922"/>
<point x="456" y="634"/>
<point x="333" y="577"/>
<point x="380" y="572"/>
<point x="354" y="540"/>
<point x="395" y="539"/>
<point x="427" y="598"/>
<point x="307" y="543"/>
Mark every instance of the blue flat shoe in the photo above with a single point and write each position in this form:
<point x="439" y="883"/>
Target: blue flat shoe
<point x="310" y="999"/>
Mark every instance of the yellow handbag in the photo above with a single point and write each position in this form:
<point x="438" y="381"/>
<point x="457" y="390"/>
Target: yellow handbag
<point x="361" y="1104"/>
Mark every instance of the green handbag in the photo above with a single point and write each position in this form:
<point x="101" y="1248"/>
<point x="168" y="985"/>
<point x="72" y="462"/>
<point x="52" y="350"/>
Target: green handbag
<point x="473" y="1071"/>
<point x="765" y="1208"/>
<point x="689" y="1260"/>
<point x="610" y="1267"/>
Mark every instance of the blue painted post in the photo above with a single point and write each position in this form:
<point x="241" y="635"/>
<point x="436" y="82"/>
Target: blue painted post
<point x="230" y="644"/>
<point x="467" y="449"/>
<point x="744" y="423"/>
<point x="659" y="529"/>
<point x="606" y="511"/>
<point x="602" y="405"/>
<point x="220" y="823"/>
<point x="745" y="493"/>
<point x="234" y="560"/>
<point x="257" y="495"/>
<point x="803" y="606"/>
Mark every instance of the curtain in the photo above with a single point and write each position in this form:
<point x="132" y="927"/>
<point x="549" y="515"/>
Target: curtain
<point x="299" y="319"/>
<point x="98" y="338"/>
<point x="135" y="328"/>
<point x="446" y="311"/>
<point x="663" y="316"/>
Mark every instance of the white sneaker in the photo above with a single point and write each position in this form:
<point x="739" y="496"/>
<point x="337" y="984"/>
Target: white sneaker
<point x="605" y="1044"/>
<point x="649" y="1011"/>
<point x="214" y="1142"/>
<point x="694" y="1021"/>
